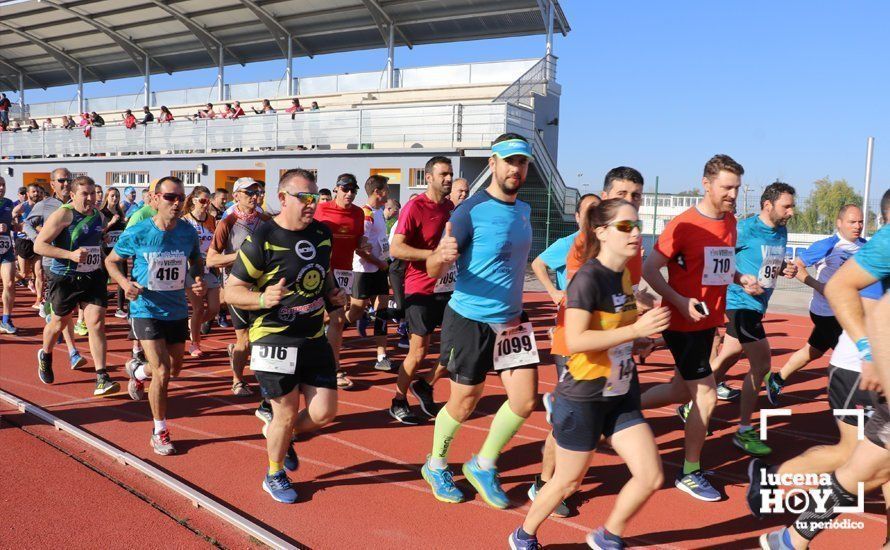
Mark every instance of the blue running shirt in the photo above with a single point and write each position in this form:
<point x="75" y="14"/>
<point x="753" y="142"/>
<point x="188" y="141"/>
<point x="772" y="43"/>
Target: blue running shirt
<point x="556" y="256"/>
<point x="760" y="251"/>
<point x="874" y="257"/>
<point x="160" y="262"/>
<point x="493" y="239"/>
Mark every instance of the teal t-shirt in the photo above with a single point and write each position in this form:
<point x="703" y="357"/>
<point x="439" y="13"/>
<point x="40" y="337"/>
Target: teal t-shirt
<point x="874" y="257"/>
<point x="760" y="251"/>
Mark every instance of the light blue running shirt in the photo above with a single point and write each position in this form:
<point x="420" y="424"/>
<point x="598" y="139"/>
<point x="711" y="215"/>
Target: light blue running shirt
<point x="493" y="239"/>
<point x="556" y="256"/>
<point x="874" y="257"/>
<point x="760" y="251"/>
<point x="160" y="262"/>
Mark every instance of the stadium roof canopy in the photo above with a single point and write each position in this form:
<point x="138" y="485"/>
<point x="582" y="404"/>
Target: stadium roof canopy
<point x="49" y="41"/>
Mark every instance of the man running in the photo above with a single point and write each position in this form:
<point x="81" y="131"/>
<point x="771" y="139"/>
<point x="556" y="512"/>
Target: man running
<point x="460" y="190"/>
<point x="230" y="234"/>
<point x="347" y="224"/>
<point x="759" y="251"/>
<point x="164" y="249"/>
<point x="7" y="260"/>
<point x="282" y="277"/>
<point x="827" y="256"/>
<point x="417" y="234"/>
<point x="484" y="327"/>
<point x="698" y="249"/>
<point x="29" y="263"/>
<point x="72" y="238"/>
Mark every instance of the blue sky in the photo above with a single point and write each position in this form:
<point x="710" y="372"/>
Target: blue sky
<point x="790" y="89"/>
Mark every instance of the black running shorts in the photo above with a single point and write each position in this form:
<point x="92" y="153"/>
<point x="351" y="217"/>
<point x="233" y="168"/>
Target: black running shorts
<point x="67" y="292"/>
<point x="315" y="367"/>
<point x="579" y="425"/>
<point x="826" y="331"/>
<point x="691" y="351"/>
<point x="745" y="325"/>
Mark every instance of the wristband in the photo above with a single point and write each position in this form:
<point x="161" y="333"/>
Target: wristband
<point x="864" y="348"/>
<point x="262" y="300"/>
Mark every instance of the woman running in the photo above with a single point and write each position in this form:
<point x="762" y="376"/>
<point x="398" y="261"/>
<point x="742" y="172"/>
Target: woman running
<point x="197" y="214"/>
<point x="115" y="223"/>
<point x="599" y="394"/>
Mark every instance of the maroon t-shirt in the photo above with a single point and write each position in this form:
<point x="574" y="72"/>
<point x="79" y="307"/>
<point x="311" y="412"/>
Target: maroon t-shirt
<point x="422" y="222"/>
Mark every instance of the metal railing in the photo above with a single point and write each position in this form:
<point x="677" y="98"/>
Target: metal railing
<point x="533" y="80"/>
<point x="410" y="126"/>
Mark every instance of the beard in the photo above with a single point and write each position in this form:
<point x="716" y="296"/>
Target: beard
<point x="507" y="189"/>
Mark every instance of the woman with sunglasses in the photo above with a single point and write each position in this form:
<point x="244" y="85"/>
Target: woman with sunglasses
<point x="115" y="223"/>
<point x="599" y="394"/>
<point x="197" y="215"/>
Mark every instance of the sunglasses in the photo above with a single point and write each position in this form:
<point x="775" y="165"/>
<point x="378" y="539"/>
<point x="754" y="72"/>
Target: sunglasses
<point x="349" y="188"/>
<point x="256" y="193"/>
<point x="173" y="197"/>
<point x="626" y="226"/>
<point x="64" y="180"/>
<point x="204" y="200"/>
<point x="305" y="198"/>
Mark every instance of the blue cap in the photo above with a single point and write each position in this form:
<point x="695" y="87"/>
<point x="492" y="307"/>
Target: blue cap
<point x="512" y="147"/>
<point x="129" y="190"/>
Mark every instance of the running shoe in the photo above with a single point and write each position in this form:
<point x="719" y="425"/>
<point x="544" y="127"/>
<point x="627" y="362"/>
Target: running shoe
<point x="8" y="328"/>
<point x="31" y="286"/>
<point x="291" y="460"/>
<point x="599" y="539"/>
<point x="45" y="367"/>
<point x="205" y="328"/>
<point x="241" y="389"/>
<point x="773" y="388"/>
<point x="264" y="413"/>
<point x="548" y="406"/>
<point x="776" y="540"/>
<point x="343" y="381"/>
<point x="120" y="314"/>
<point x="725" y="393"/>
<point x="696" y="484"/>
<point x="757" y="483"/>
<point x="424" y="394"/>
<point x="105" y="386"/>
<point x="221" y="321"/>
<point x="42" y="311"/>
<point x="135" y="387"/>
<point x="404" y="343"/>
<point x="362" y="325"/>
<point x="195" y="350"/>
<point x="161" y="443"/>
<point x="517" y="543"/>
<point x="139" y="356"/>
<point x="749" y="441"/>
<point x="402" y="412"/>
<point x="487" y="483"/>
<point x="77" y="360"/>
<point x="384" y="365"/>
<point x="279" y="486"/>
<point x="442" y="483"/>
<point x="80" y="328"/>
<point x="683" y="411"/>
<point x="562" y="509"/>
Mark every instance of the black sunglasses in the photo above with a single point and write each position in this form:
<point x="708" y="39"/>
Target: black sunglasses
<point x="255" y="193"/>
<point x="64" y="180"/>
<point x="173" y="197"/>
<point x="349" y="188"/>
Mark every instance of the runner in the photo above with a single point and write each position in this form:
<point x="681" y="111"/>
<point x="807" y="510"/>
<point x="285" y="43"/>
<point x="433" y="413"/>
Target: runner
<point x="29" y="263"/>
<point x="371" y="283"/>
<point x="72" y="238"/>
<point x="198" y="216"/>
<point x="282" y="276"/>
<point x="417" y="234"/>
<point x="460" y="190"/>
<point x="697" y="248"/>
<point x="7" y="260"/>
<point x="599" y="394"/>
<point x="227" y="240"/>
<point x="484" y="327"/>
<point x="145" y="210"/>
<point x="759" y="251"/>
<point x="346" y="222"/>
<point x="391" y="214"/>
<point x="115" y="221"/>
<point x="160" y="247"/>
<point x="827" y="256"/>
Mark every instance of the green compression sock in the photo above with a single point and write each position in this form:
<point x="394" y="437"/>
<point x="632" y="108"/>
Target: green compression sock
<point x="446" y="428"/>
<point x="504" y="426"/>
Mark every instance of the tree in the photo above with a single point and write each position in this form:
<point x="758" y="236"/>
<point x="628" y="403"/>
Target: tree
<point x="690" y="193"/>
<point x="818" y="212"/>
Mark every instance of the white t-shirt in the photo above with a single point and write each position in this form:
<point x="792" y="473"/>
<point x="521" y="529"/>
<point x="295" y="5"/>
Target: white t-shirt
<point x="845" y="355"/>
<point x="375" y="233"/>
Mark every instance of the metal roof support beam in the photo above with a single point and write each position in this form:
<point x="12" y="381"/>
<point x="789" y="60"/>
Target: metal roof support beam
<point x="80" y="98"/>
<point x="221" y="78"/>
<point x="67" y="62"/>
<point x="210" y="42"/>
<point x="147" y="83"/>
<point x="20" y="71"/>
<point x="22" y="94"/>
<point x="383" y="20"/>
<point x="281" y="35"/>
<point x="289" y="69"/>
<point x="390" y="58"/>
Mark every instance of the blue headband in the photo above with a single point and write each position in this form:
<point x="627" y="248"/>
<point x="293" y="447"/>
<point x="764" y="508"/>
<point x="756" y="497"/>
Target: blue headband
<point x="512" y="147"/>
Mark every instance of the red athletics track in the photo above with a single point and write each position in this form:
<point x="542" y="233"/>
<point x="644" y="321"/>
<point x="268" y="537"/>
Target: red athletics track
<point x="359" y="480"/>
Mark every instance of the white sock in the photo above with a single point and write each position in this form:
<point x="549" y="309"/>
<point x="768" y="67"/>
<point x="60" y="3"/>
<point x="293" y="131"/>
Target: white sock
<point x="381" y="356"/>
<point x="744" y="428"/>
<point x="160" y="425"/>
<point x="140" y="373"/>
<point x="136" y="348"/>
<point x="438" y="463"/>
<point x="485" y="463"/>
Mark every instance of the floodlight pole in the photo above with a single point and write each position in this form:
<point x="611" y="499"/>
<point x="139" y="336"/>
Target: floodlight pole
<point x="220" y="76"/>
<point x="549" y="27"/>
<point x="390" y="56"/>
<point x="288" y="71"/>
<point x="80" y="102"/>
<point x="147" y="82"/>
<point x="868" y="157"/>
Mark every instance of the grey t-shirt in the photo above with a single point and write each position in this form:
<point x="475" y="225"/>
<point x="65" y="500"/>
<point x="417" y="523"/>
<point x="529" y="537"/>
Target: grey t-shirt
<point x="37" y="218"/>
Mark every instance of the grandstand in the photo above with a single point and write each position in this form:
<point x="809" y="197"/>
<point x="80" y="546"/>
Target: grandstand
<point x="387" y="122"/>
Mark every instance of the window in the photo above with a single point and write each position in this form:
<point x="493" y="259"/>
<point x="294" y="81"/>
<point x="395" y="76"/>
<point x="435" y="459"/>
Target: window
<point x="188" y="177"/>
<point x="126" y="178"/>
<point x="416" y="178"/>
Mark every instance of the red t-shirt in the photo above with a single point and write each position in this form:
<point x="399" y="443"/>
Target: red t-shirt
<point x="347" y="226"/>
<point x="422" y="222"/>
<point x="701" y="263"/>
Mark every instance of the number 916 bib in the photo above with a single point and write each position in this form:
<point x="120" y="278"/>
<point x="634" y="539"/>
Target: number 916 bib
<point x="166" y="272"/>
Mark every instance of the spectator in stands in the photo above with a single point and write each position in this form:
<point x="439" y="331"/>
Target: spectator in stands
<point x="294" y="108"/>
<point x="32" y="125"/>
<point x="314" y="106"/>
<point x="130" y="120"/>
<point x="226" y="111"/>
<point x="65" y="122"/>
<point x="146" y="116"/>
<point x="97" y="120"/>
<point x="3" y="127"/>
<point x="206" y="112"/>
<point x="48" y="124"/>
<point x="165" y="115"/>
<point x="5" y="104"/>
<point x="84" y="121"/>
<point x="266" y="109"/>
<point x="237" y="111"/>
<point x="16" y="127"/>
<point x="324" y="195"/>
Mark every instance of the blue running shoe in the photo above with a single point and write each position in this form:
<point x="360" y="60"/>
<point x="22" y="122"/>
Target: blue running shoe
<point x="517" y="543"/>
<point x="773" y="387"/>
<point x="776" y="540"/>
<point x="279" y="486"/>
<point x="696" y="484"/>
<point x="77" y="360"/>
<point x="45" y="367"/>
<point x="599" y="539"/>
<point x="291" y="460"/>
<point x="442" y="483"/>
<point x="548" y="405"/>
<point x="8" y="328"/>
<point x="487" y="483"/>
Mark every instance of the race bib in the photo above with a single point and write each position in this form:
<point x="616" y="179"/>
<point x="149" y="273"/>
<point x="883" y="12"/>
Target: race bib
<point x="112" y="237"/>
<point x="5" y="244"/>
<point x="92" y="262"/>
<point x="270" y="358"/>
<point x="344" y="278"/>
<point x="621" y="372"/>
<point x="719" y="267"/>
<point x="771" y="267"/>
<point x="166" y="272"/>
<point x="446" y="283"/>
<point x="384" y="247"/>
<point x="514" y="346"/>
